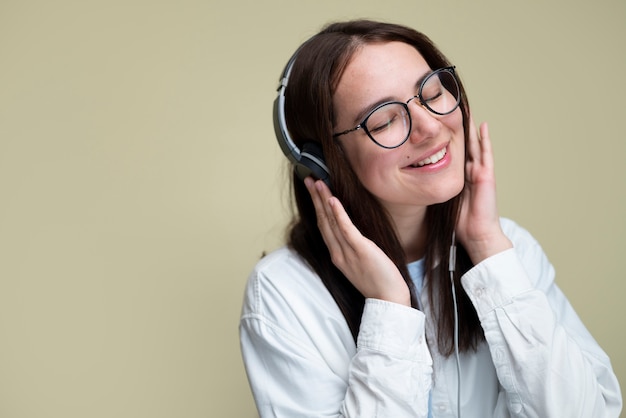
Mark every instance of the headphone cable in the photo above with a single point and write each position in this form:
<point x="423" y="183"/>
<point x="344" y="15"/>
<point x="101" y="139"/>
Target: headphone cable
<point x="451" y="265"/>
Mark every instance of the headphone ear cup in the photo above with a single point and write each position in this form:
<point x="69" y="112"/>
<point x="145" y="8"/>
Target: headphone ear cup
<point x="312" y="163"/>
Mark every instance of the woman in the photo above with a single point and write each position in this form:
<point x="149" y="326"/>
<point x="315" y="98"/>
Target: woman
<point x="401" y="293"/>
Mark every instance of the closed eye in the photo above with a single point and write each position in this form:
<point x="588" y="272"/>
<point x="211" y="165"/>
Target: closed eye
<point x="383" y="126"/>
<point x="433" y="97"/>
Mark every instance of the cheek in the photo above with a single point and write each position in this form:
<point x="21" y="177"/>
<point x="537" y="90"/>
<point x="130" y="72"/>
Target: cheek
<point x="454" y="121"/>
<point x="455" y="124"/>
<point x="369" y="165"/>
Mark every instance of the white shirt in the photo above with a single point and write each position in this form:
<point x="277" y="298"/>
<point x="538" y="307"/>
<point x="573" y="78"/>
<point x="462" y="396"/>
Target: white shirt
<point x="538" y="359"/>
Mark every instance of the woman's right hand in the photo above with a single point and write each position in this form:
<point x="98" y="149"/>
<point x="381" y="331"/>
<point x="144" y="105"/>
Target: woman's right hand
<point x="367" y="267"/>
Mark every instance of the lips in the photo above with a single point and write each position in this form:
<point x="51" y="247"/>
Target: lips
<point x="432" y="159"/>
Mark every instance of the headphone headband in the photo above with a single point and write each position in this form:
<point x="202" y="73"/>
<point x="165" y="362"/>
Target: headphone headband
<point x="285" y="141"/>
<point x="310" y="160"/>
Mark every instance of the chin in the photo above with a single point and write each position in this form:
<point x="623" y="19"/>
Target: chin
<point x="451" y="193"/>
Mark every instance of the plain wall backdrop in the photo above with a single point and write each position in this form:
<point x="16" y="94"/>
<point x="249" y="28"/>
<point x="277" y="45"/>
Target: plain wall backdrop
<point x="140" y="180"/>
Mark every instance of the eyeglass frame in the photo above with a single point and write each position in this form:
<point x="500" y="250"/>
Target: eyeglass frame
<point x="418" y="96"/>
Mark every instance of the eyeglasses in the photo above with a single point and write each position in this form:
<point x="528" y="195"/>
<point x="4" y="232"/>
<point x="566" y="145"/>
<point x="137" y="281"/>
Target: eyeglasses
<point x="389" y="124"/>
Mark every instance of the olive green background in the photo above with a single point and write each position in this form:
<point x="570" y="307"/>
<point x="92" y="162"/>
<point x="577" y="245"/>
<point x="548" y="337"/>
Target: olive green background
<point x="140" y="179"/>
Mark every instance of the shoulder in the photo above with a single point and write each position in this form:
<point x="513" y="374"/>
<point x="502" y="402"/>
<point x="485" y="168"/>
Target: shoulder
<point x="282" y="271"/>
<point x="529" y="252"/>
<point x="522" y="239"/>
<point x="282" y="260"/>
<point x="286" y="302"/>
<point x="515" y="232"/>
<point x="282" y="285"/>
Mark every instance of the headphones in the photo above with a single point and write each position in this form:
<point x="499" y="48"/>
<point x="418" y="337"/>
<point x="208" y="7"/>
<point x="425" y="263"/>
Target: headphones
<point x="308" y="161"/>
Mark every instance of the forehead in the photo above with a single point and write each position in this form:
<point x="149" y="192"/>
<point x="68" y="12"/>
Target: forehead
<point x="380" y="69"/>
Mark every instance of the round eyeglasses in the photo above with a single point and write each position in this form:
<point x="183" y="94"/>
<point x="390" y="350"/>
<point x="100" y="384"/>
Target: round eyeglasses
<point x="389" y="124"/>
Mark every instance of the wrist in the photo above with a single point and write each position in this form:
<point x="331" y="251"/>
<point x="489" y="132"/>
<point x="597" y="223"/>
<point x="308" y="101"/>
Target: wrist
<point x="480" y="250"/>
<point x="402" y="297"/>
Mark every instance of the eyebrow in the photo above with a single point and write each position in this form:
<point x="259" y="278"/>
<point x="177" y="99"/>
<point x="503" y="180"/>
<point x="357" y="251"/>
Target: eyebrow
<point x="367" y="109"/>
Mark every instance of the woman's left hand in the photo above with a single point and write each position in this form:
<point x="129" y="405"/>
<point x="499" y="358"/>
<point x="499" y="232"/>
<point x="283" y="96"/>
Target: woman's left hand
<point x="478" y="228"/>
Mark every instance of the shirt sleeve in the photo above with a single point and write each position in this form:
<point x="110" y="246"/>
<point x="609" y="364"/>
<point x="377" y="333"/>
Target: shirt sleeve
<point x="546" y="361"/>
<point x="389" y="374"/>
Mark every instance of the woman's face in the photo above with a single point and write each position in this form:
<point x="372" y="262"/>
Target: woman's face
<point x="429" y="167"/>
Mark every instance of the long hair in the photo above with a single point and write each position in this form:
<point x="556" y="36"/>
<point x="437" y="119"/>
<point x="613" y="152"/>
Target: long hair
<point x="310" y="116"/>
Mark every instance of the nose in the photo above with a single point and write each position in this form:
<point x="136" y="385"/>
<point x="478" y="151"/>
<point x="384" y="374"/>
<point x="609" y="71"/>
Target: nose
<point x="424" y="123"/>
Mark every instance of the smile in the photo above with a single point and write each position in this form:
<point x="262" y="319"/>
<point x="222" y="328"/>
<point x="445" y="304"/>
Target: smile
<point x="432" y="159"/>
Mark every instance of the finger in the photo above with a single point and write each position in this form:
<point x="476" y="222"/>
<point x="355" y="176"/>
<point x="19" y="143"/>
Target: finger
<point x="347" y="232"/>
<point x="326" y="224"/>
<point x="318" y="204"/>
<point x="473" y="143"/>
<point x="336" y="215"/>
<point x="485" y="145"/>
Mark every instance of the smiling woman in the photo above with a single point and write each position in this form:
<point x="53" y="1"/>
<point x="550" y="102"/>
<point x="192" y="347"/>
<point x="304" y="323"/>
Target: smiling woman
<point x="357" y="315"/>
<point x="140" y="181"/>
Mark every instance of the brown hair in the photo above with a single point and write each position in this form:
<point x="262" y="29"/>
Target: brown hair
<point x="310" y="116"/>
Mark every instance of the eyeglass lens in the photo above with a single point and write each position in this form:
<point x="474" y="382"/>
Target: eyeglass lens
<point x="389" y="125"/>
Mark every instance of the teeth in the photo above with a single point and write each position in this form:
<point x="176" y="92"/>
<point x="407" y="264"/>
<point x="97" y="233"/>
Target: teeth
<point x="432" y="159"/>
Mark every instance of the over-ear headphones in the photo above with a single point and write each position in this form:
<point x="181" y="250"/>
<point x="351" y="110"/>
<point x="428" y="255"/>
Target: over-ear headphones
<point x="308" y="161"/>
